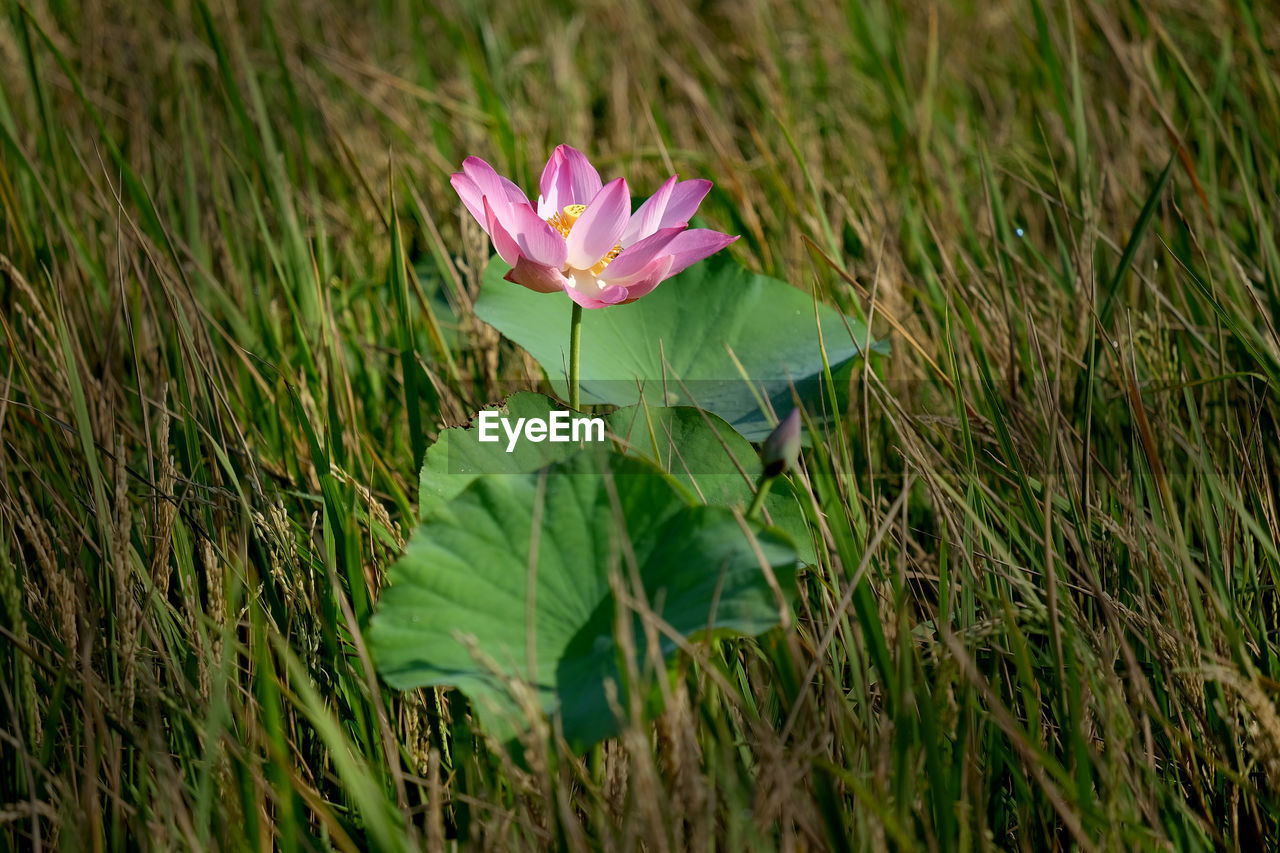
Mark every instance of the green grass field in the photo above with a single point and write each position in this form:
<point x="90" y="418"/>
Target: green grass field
<point x="1044" y="613"/>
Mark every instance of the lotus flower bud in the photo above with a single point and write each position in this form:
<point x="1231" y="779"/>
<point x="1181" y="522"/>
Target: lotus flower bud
<point x="782" y="448"/>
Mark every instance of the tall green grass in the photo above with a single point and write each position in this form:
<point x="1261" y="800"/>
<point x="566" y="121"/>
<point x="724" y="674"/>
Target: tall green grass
<point x="237" y="290"/>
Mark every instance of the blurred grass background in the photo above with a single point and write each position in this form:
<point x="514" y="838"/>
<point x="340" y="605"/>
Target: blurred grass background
<point x="236" y="294"/>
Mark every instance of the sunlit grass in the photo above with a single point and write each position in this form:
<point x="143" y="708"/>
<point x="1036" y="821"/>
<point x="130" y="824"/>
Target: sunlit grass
<point x="237" y="296"/>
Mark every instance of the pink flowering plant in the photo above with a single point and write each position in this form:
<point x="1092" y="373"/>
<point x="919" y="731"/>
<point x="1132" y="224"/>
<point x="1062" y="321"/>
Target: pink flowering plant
<point x="508" y="573"/>
<point x="582" y="237"/>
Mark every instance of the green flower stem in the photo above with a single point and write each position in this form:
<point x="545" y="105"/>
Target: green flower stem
<point x="762" y="491"/>
<point x="575" y="347"/>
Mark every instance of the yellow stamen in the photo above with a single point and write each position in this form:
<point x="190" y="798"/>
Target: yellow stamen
<point x="606" y="260"/>
<point x="563" y="221"/>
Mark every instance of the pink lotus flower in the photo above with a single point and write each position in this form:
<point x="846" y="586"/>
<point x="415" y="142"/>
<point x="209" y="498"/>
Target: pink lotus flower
<point x="583" y="238"/>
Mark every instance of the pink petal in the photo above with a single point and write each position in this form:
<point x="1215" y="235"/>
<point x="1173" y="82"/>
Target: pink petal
<point x="491" y="185"/>
<point x="544" y="208"/>
<point x="514" y="194"/>
<point x="684" y="201"/>
<point x="608" y="296"/>
<point x="658" y="271"/>
<point x="693" y="245"/>
<point x="636" y="257"/>
<point x="471" y="197"/>
<point x="501" y="192"/>
<point x="536" y="277"/>
<point x="613" y="295"/>
<point x="601" y="224"/>
<point x="584" y="180"/>
<point x="555" y="185"/>
<point x="538" y="241"/>
<point x="646" y="218"/>
<point x="506" y="245"/>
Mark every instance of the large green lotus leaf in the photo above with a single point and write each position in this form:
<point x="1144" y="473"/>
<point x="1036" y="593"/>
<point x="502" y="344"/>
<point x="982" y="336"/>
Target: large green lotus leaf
<point x="715" y="464"/>
<point x="730" y="339"/>
<point x="458" y="609"/>
<point x="458" y="456"/>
